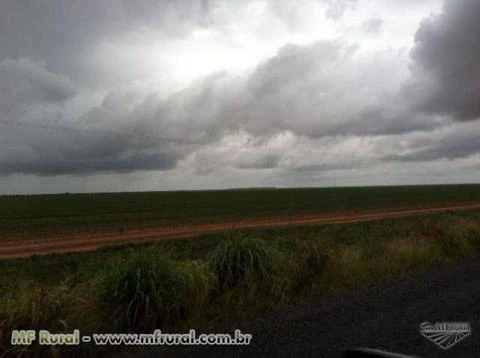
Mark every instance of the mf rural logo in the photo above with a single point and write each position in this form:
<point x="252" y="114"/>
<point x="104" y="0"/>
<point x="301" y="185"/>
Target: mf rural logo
<point x="445" y="334"/>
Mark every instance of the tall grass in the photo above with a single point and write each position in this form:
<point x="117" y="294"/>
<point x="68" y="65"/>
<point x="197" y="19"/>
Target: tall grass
<point x="34" y="307"/>
<point x="242" y="262"/>
<point x="307" y="263"/>
<point x="146" y="292"/>
<point x="249" y="276"/>
<point x="456" y="240"/>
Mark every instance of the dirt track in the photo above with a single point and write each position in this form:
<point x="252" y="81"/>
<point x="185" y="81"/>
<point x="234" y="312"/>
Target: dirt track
<point x="89" y="242"/>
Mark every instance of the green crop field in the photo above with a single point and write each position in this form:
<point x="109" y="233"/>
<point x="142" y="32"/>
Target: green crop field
<point x="70" y="213"/>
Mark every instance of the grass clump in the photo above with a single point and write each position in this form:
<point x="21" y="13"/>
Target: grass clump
<point x="401" y="257"/>
<point x="307" y="265"/>
<point x="34" y="307"/>
<point x="242" y="262"/>
<point x="348" y="268"/>
<point x="148" y="291"/>
<point x="456" y="239"/>
<point x="250" y="276"/>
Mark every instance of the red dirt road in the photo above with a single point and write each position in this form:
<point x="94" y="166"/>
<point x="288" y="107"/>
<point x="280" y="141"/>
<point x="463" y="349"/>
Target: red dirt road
<point x="89" y="242"/>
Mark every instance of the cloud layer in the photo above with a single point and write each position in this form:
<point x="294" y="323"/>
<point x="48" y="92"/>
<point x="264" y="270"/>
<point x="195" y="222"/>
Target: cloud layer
<point x="205" y="93"/>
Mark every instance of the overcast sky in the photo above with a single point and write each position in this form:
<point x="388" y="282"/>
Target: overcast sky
<point x="121" y="95"/>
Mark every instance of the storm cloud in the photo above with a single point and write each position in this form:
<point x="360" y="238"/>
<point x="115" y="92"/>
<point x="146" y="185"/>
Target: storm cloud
<point x="446" y="62"/>
<point x="210" y="94"/>
<point x="27" y="86"/>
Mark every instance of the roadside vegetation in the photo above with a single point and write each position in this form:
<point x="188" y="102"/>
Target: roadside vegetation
<point x="205" y="282"/>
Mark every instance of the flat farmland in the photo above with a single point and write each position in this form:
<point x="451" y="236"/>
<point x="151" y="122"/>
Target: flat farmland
<point x="64" y="214"/>
<point x="236" y="254"/>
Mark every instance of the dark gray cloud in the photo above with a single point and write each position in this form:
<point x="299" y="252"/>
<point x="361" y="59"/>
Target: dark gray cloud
<point x="49" y="153"/>
<point x="24" y="83"/>
<point x="105" y="139"/>
<point x="449" y="143"/>
<point x="126" y="132"/>
<point x="323" y="167"/>
<point x="389" y="118"/>
<point x="446" y="62"/>
<point x="48" y="166"/>
<point x="267" y="161"/>
<point x="292" y="65"/>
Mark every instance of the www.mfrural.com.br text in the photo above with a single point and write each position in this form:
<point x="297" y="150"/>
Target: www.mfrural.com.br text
<point x="45" y="337"/>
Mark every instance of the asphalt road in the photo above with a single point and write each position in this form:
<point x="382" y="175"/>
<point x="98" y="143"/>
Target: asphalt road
<point x="386" y="318"/>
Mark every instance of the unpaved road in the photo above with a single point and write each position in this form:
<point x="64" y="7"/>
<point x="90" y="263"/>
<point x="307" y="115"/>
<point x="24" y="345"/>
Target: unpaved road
<point x="88" y="242"/>
<point x="386" y="318"/>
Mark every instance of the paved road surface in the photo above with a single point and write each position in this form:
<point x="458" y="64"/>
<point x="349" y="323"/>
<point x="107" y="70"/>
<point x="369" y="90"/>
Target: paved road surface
<point x="387" y="318"/>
